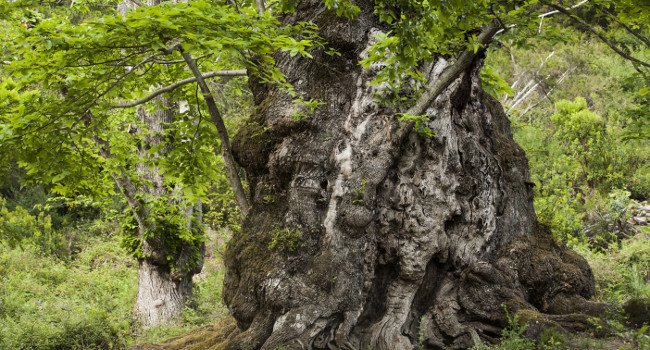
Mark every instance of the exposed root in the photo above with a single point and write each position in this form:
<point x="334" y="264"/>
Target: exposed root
<point x="214" y="337"/>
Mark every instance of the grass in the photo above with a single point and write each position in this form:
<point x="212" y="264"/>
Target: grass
<point x="86" y="302"/>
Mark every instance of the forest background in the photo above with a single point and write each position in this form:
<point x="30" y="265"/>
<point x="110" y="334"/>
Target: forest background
<point x="579" y="110"/>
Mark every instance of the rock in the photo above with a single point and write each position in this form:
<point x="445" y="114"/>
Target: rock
<point x="637" y="311"/>
<point x="640" y="220"/>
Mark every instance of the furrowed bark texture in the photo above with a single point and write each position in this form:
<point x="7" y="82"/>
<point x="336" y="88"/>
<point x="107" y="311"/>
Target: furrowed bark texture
<point x="413" y="244"/>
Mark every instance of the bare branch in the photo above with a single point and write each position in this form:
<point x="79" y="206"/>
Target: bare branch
<point x="596" y="32"/>
<point x="172" y="87"/>
<point x="523" y="93"/>
<point x="436" y="86"/>
<point x="568" y="8"/>
<point x="547" y="94"/>
<point x="226" y="152"/>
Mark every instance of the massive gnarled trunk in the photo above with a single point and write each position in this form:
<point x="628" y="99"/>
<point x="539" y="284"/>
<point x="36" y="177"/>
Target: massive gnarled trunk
<point x="358" y="239"/>
<point x="416" y="243"/>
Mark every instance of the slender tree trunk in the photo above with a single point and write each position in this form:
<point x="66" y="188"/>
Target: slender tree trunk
<point x="359" y="238"/>
<point x="165" y="272"/>
<point x="226" y="153"/>
<point x="165" y="269"/>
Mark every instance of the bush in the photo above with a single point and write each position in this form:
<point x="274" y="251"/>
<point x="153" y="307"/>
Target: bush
<point x="606" y="218"/>
<point x="46" y="303"/>
<point x="621" y="272"/>
<point x="512" y="338"/>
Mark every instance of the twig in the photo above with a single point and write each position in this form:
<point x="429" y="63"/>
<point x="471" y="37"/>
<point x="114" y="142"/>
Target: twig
<point x="600" y="35"/>
<point x="172" y="87"/>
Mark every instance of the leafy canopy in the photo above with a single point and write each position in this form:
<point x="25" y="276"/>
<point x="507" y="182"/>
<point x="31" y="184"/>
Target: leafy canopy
<point x="65" y="76"/>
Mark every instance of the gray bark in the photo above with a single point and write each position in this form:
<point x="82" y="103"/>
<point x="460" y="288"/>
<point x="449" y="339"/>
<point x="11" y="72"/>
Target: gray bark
<point x="160" y="296"/>
<point x="405" y="242"/>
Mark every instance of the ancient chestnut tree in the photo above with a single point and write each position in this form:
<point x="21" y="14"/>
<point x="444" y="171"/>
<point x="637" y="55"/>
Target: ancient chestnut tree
<point x="410" y="200"/>
<point x="387" y="205"/>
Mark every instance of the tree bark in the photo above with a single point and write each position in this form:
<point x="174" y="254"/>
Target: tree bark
<point x="402" y="242"/>
<point x="160" y="296"/>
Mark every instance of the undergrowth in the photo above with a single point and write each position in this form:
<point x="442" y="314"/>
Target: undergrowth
<point x="85" y="302"/>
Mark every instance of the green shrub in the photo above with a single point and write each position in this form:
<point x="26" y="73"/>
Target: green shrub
<point x="621" y="270"/>
<point x="512" y="338"/>
<point x="46" y="303"/>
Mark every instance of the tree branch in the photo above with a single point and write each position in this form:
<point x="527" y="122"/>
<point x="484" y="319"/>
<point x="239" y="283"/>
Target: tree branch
<point x="634" y="33"/>
<point x="569" y="8"/>
<point x="596" y="32"/>
<point x="181" y="61"/>
<point x="172" y="87"/>
<point x="544" y="15"/>
<point x="226" y="152"/>
<point x="436" y="86"/>
<point x="124" y="184"/>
